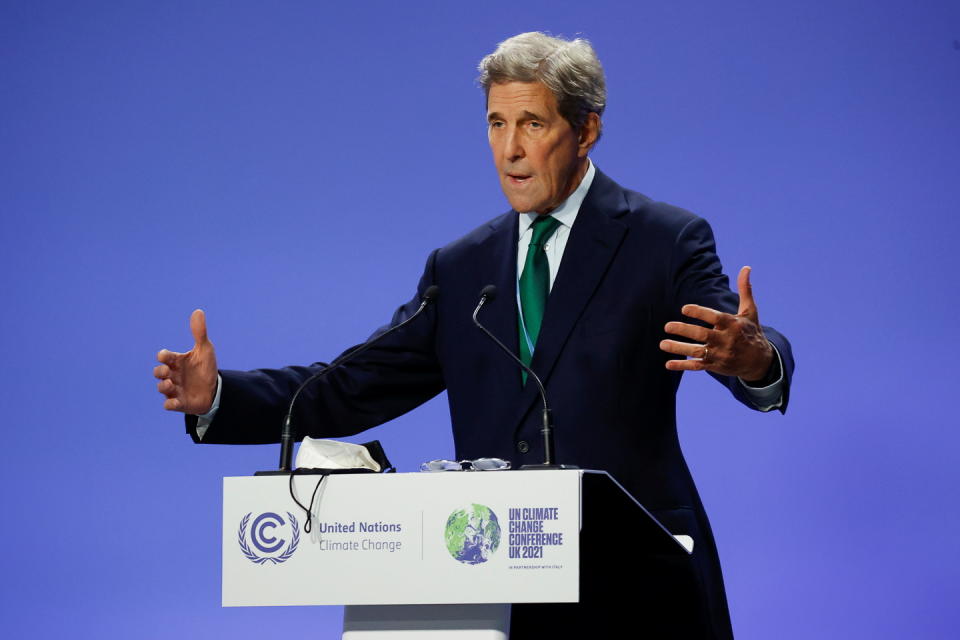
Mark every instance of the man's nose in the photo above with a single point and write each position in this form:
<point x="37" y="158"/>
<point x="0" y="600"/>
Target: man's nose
<point x="513" y="150"/>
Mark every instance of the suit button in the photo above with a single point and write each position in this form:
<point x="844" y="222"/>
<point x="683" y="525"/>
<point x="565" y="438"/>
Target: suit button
<point x="523" y="447"/>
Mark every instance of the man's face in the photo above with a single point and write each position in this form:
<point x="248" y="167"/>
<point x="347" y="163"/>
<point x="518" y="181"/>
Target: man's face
<point x="540" y="159"/>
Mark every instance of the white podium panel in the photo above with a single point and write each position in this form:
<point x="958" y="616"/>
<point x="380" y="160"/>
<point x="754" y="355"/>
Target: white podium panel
<point x="413" y="538"/>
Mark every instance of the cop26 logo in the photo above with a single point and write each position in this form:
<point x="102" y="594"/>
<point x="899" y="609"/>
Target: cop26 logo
<point x="264" y="535"/>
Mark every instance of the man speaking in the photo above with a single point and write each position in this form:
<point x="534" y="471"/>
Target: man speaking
<point x="590" y="276"/>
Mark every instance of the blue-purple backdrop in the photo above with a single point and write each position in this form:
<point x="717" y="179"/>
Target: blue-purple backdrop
<point x="266" y="160"/>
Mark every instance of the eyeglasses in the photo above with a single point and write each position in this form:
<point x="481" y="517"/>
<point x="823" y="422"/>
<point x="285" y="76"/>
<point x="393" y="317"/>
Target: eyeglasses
<point x="480" y="464"/>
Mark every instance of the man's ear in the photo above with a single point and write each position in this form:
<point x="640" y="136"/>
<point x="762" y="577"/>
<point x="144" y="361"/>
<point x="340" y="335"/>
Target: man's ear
<point x="589" y="134"/>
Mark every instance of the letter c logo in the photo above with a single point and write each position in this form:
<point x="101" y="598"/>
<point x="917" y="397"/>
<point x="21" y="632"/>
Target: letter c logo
<point x="260" y="535"/>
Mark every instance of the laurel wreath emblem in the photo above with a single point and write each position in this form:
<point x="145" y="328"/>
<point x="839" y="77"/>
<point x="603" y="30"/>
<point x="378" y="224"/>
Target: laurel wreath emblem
<point x="253" y="557"/>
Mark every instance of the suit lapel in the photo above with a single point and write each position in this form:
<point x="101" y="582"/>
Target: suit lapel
<point x="593" y="242"/>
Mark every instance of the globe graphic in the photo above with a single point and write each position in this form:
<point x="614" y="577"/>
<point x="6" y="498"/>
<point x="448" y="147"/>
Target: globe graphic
<point x="472" y="534"/>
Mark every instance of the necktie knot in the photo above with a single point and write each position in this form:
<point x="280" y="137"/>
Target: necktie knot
<point x="543" y="227"/>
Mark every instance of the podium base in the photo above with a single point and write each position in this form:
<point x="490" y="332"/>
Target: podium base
<point x="416" y="622"/>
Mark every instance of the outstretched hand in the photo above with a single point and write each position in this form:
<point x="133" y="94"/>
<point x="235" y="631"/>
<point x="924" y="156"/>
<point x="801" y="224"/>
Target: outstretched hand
<point x="189" y="380"/>
<point x="735" y="346"/>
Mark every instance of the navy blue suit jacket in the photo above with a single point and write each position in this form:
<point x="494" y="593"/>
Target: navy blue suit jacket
<point x="630" y="264"/>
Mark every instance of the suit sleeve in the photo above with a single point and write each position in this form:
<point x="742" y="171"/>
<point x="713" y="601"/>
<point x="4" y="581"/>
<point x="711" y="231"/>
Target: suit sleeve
<point x="698" y="278"/>
<point x="396" y="375"/>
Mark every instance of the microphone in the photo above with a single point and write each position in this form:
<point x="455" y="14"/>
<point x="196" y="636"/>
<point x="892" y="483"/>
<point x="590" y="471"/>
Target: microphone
<point x="286" y="434"/>
<point x="489" y="292"/>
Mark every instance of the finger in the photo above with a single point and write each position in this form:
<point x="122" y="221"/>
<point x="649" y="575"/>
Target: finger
<point x="167" y="388"/>
<point x="686" y="365"/>
<point x="708" y="315"/>
<point x="683" y="348"/>
<point x="163" y="372"/>
<point x="172" y="404"/>
<point x="168" y="357"/>
<point x="747" y="305"/>
<point x="692" y="331"/>
<point x="198" y="326"/>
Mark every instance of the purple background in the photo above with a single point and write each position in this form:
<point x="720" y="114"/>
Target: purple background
<point x="272" y="161"/>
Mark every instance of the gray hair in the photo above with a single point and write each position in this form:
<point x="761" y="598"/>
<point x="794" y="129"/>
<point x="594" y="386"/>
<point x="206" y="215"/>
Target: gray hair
<point x="569" y="68"/>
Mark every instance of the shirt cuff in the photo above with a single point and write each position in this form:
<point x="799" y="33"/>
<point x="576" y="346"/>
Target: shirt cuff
<point x="763" y="398"/>
<point x="204" y="421"/>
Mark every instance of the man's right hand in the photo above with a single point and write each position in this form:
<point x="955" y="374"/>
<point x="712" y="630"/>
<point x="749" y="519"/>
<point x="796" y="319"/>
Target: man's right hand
<point x="189" y="380"/>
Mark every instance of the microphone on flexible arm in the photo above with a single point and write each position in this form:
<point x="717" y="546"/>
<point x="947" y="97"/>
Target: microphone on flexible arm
<point x="286" y="435"/>
<point x="489" y="292"/>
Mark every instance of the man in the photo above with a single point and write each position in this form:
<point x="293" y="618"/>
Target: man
<point x="589" y="276"/>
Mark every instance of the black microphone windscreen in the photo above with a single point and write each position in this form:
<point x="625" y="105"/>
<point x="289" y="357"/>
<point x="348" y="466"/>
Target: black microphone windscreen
<point x="431" y="293"/>
<point x="489" y="292"/>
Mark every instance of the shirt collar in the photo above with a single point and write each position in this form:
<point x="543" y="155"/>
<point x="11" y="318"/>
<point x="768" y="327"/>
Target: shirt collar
<point x="567" y="212"/>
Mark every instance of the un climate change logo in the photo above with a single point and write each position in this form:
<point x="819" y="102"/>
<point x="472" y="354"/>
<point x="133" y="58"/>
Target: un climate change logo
<point x="472" y="534"/>
<point x="262" y="536"/>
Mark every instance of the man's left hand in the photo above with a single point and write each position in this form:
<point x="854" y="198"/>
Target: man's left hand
<point x="735" y="346"/>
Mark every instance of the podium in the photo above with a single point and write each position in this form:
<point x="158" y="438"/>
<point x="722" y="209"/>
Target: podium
<point x="427" y="554"/>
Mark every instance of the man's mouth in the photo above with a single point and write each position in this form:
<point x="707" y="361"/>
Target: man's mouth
<point x="518" y="178"/>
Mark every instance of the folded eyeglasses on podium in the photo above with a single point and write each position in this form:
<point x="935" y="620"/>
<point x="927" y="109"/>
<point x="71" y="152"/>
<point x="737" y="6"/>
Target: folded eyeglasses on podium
<point x="480" y="464"/>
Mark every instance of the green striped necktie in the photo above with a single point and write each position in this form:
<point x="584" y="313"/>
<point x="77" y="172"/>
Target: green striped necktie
<point x="534" y="287"/>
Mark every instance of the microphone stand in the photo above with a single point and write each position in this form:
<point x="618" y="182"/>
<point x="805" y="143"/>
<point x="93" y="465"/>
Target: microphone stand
<point x="489" y="292"/>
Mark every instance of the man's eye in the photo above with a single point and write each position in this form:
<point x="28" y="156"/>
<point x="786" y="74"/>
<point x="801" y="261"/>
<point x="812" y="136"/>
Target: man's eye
<point x="536" y="125"/>
<point x="496" y="125"/>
